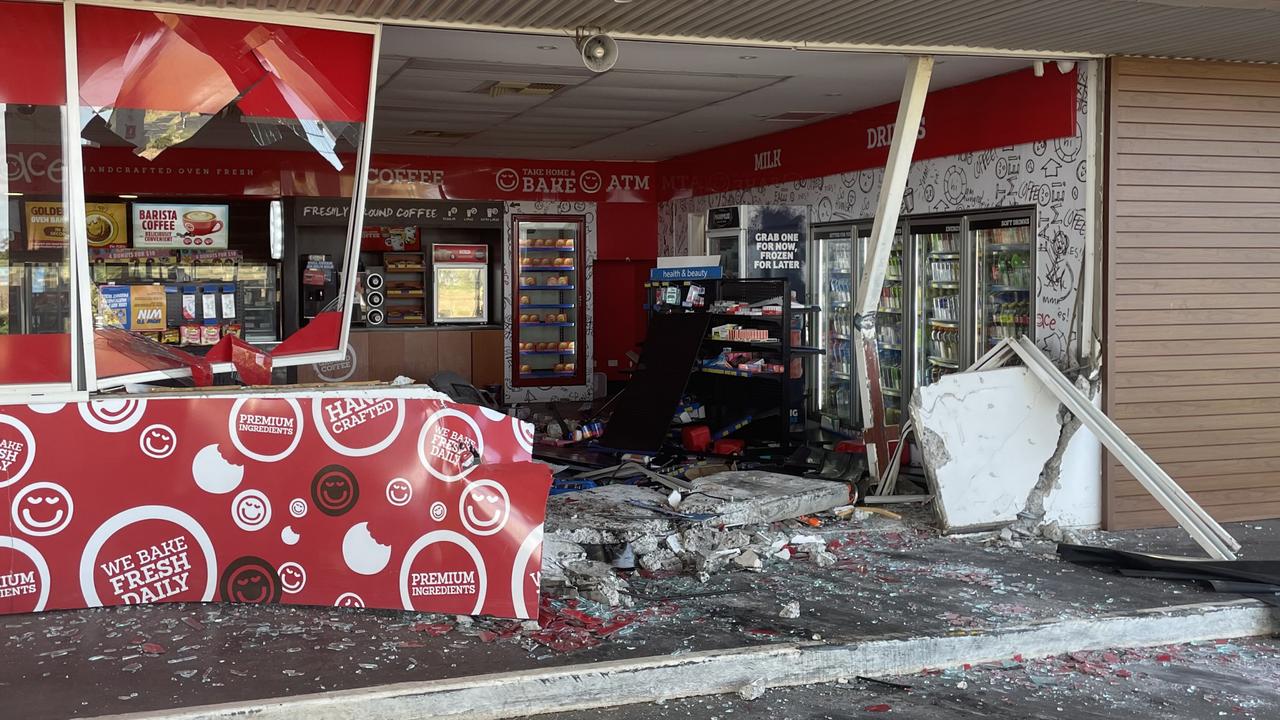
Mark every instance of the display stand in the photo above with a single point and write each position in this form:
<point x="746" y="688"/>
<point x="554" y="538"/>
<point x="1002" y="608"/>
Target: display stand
<point x="739" y="401"/>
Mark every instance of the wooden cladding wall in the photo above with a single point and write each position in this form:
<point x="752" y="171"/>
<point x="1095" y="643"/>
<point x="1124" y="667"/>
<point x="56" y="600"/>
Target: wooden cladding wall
<point x="1193" y="284"/>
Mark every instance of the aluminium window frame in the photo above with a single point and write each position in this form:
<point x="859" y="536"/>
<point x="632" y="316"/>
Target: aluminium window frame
<point x="84" y="377"/>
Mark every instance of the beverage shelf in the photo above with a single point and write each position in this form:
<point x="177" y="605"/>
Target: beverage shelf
<point x="1008" y="247"/>
<point x="1007" y="288"/>
<point x="934" y="360"/>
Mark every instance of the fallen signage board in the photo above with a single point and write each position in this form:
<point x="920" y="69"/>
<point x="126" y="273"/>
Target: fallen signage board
<point x="380" y="498"/>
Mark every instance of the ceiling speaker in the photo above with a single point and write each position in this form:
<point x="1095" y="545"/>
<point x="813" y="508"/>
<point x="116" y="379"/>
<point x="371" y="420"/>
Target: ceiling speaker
<point x="599" y="52"/>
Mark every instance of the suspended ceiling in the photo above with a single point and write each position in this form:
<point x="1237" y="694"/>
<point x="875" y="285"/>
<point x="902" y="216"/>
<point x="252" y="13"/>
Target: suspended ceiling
<point x="1214" y="29"/>
<point x="661" y="100"/>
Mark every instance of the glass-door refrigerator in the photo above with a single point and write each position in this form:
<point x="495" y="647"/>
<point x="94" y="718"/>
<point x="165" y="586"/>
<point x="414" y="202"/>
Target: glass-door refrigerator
<point x="1004" y="249"/>
<point x="548" y="325"/>
<point x="940" y="287"/>
<point x="460" y="287"/>
<point x="892" y="330"/>
<point x="839" y="249"/>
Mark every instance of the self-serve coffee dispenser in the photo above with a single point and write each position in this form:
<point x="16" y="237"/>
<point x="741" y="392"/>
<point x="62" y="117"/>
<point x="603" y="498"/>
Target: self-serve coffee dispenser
<point x="319" y="284"/>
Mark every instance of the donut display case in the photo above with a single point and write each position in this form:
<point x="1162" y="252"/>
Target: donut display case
<point x="548" y="279"/>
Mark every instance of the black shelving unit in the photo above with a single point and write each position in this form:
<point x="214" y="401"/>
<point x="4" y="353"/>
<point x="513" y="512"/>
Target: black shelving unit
<point x="653" y="304"/>
<point x="756" y="405"/>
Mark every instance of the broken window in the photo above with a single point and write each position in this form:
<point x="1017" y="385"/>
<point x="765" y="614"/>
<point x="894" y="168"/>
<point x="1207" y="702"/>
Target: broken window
<point x="194" y="129"/>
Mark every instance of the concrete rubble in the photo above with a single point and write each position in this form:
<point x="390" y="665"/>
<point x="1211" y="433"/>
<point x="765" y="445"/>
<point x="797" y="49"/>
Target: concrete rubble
<point x="724" y="523"/>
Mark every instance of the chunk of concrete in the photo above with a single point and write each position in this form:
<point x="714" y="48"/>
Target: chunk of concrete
<point x="748" y="560"/>
<point x="985" y="437"/>
<point x="762" y="497"/>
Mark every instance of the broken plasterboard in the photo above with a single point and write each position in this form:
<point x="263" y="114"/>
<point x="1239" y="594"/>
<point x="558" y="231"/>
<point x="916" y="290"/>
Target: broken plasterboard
<point x="985" y="437"/>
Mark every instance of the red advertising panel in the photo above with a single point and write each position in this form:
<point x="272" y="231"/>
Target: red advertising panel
<point x="361" y="499"/>
<point x="34" y="69"/>
<point x="379" y="238"/>
<point x="994" y="112"/>
<point x="460" y="253"/>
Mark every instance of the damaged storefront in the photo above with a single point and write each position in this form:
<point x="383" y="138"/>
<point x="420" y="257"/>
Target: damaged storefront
<point x="630" y="368"/>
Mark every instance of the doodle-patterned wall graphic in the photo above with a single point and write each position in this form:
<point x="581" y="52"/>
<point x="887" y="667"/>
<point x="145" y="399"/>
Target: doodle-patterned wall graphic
<point x="550" y="392"/>
<point x="1049" y="175"/>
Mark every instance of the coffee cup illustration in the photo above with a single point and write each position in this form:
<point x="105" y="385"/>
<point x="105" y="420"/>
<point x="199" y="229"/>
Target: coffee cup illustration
<point x="201" y="222"/>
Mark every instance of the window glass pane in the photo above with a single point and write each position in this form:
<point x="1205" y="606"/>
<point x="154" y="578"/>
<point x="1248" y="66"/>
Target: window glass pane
<point x="194" y="129"/>
<point x="35" y="288"/>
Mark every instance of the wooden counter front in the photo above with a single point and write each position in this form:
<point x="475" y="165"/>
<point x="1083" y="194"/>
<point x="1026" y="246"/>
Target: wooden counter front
<point x="419" y="353"/>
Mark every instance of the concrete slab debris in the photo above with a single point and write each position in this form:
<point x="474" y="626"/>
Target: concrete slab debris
<point x="722" y="523"/>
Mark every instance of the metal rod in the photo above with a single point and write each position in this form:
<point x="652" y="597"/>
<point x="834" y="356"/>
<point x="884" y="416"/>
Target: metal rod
<point x="1207" y="533"/>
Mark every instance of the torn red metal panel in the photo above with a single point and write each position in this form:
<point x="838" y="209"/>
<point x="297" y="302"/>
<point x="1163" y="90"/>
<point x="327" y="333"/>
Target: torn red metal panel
<point x="157" y="78"/>
<point x="388" y="498"/>
<point x="320" y="335"/>
<point x="224" y="55"/>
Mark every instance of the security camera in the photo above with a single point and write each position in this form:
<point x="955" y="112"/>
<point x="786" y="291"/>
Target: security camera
<point x="599" y="51"/>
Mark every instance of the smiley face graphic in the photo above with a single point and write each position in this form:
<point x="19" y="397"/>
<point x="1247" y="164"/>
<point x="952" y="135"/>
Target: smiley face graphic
<point x="484" y="507"/>
<point x="334" y="490"/>
<point x="292" y="578"/>
<point x="350" y="600"/>
<point x="157" y="441"/>
<point x="250" y="580"/>
<point x="251" y="510"/>
<point x="399" y="492"/>
<point x="42" y="509"/>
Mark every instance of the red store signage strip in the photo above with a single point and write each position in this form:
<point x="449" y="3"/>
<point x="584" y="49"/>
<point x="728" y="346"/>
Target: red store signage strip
<point x="36" y="170"/>
<point x="392" y="500"/>
<point x="995" y="112"/>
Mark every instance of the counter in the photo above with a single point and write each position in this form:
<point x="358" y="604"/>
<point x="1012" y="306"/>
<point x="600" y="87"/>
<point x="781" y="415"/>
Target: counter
<point x="383" y="353"/>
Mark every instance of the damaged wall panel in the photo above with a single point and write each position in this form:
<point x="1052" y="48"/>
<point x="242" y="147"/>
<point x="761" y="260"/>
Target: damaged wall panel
<point x="1193" y="363"/>
<point x="995" y="445"/>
